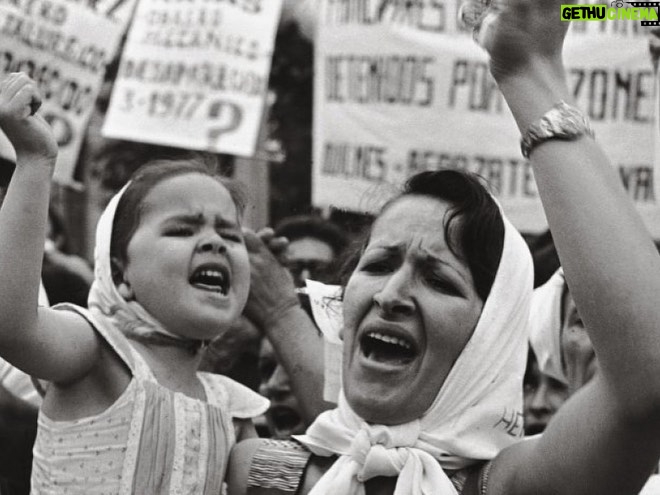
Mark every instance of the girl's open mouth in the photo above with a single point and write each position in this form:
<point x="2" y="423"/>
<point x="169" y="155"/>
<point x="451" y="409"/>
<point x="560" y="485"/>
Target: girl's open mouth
<point x="211" y="277"/>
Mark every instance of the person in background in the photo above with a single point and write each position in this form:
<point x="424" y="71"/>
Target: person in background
<point x="562" y="358"/>
<point x="284" y="417"/>
<point x="543" y="395"/>
<point x="314" y="250"/>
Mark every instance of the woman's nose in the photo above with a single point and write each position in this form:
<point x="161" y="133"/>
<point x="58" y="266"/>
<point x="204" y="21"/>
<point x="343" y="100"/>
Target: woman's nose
<point x="394" y="297"/>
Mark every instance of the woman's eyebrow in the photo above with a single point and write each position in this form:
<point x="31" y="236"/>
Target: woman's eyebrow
<point x="434" y="259"/>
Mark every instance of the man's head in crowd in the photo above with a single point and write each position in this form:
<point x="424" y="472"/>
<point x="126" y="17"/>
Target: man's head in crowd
<point x="315" y="245"/>
<point x="543" y="396"/>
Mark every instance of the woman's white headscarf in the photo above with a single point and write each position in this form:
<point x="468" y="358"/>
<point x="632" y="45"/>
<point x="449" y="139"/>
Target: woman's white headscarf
<point x="104" y="300"/>
<point x="477" y="412"/>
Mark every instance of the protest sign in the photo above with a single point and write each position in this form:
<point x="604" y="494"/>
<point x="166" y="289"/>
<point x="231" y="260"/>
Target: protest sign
<point x="401" y="87"/>
<point x="57" y="43"/>
<point x="194" y="74"/>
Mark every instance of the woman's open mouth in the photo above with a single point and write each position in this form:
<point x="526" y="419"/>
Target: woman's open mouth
<point x="384" y="347"/>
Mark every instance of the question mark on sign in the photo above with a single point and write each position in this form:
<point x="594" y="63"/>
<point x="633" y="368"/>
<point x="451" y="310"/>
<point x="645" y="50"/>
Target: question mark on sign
<point x="230" y="116"/>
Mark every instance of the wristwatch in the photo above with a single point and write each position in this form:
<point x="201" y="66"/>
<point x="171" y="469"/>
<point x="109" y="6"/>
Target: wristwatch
<point x="562" y="121"/>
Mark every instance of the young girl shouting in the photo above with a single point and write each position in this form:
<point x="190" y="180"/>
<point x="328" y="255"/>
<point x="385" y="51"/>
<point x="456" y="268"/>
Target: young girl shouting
<point x="126" y="410"/>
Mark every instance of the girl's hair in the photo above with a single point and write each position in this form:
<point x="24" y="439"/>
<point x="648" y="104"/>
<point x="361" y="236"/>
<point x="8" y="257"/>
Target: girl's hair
<point x="473" y="225"/>
<point x="131" y="204"/>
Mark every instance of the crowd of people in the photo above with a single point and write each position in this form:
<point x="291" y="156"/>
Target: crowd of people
<point x="189" y="359"/>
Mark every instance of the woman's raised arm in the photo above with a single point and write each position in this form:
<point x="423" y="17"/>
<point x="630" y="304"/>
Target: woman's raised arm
<point x="606" y="439"/>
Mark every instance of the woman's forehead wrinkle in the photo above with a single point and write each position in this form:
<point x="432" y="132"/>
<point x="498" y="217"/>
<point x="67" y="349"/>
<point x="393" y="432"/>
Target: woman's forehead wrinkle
<point x="421" y="248"/>
<point x="424" y="245"/>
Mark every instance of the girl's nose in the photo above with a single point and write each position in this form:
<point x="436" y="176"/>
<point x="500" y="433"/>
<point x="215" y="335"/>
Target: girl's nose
<point x="212" y="244"/>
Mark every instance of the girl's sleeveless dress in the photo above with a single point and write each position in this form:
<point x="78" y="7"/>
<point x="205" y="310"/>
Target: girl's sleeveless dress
<point x="150" y="441"/>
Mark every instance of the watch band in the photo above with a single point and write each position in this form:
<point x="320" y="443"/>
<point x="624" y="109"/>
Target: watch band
<point x="562" y="121"/>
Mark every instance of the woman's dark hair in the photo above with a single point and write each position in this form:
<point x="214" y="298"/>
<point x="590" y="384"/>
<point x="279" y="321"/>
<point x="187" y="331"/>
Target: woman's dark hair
<point x="473" y="225"/>
<point x="131" y="204"/>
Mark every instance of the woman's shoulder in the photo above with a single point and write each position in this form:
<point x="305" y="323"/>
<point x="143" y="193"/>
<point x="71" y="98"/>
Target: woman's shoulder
<point x="265" y="466"/>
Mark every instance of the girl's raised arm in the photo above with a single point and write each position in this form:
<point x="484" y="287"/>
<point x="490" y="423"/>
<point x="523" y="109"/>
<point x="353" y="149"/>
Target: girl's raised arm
<point x="54" y="345"/>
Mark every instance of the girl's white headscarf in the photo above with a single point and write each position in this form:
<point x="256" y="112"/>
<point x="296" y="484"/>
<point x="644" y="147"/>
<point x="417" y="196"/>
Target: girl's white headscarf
<point x="104" y="299"/>
<point x="477" y="412"/>
<point x="545" y="326"/>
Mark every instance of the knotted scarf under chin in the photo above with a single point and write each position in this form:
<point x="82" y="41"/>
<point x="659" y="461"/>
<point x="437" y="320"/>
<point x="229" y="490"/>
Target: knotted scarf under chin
<point x="378" y="450"/>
